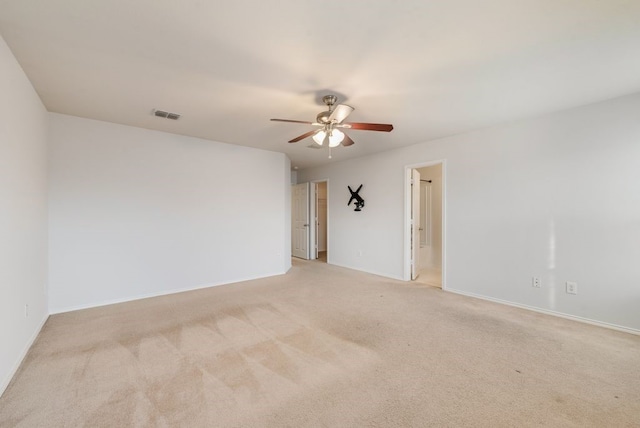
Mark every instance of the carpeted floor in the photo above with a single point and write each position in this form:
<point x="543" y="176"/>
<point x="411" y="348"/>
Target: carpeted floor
<point x="323" y="346"/>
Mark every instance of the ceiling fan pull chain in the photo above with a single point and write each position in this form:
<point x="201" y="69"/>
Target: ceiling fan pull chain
<point x="329" y="152"/>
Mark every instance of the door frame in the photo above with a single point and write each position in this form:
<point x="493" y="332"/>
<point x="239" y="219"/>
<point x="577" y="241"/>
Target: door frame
<point x="415" y="223"/>
<point x="313" y="213"/>
<point x="407" y="217"/>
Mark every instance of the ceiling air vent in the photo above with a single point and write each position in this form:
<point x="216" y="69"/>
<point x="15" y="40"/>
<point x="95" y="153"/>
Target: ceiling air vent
<point x="166" y="114"/>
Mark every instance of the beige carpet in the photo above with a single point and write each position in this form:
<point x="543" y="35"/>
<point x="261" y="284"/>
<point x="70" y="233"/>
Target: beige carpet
<point x="323" y="346"/>
<point x="432" y="277"/>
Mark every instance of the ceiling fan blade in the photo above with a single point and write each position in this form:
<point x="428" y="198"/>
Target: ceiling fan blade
<point x="340" y="113"/>
<point x="347" y="141"/>
<point x="303" y="136"/>
<point x="384" y="127"/>
<point x="293" y="121"/>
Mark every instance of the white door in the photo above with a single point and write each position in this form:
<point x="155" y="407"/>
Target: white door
<point x="415" y="223"/>
<point x="300" y="221"/>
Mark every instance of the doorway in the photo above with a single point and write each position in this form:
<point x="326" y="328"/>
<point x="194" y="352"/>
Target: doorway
<point x="310" y="221"/>
<point x="425" y="219"/>
<point x="320" y="227"/>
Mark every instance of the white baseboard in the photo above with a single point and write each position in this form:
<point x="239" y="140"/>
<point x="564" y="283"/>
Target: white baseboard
<point x="549" y="312"/>
<point x="16" y="366"/>
<point x="53" y="311"/>
<point x="384" y="275"/>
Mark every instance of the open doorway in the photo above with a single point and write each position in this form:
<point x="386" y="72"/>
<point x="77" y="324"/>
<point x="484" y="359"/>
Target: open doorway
<point x="424" y="252"/>
<point x="310" y="220"/>
<point x="320" y="227"/>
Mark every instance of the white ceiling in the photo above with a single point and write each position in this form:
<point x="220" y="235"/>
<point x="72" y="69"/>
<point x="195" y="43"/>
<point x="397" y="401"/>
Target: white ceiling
<point x="432" y="68"/>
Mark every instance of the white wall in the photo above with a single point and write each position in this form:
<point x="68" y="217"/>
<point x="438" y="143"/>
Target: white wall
<point x="135" y="213"/>
<point x="23" y="211"/>
<point x="555" y="197"/>
<point x="364" y="240"/>
<point x="286" y="225"/>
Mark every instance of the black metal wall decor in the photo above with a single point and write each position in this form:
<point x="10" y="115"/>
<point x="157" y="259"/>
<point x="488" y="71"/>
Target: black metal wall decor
<point x="357" y="198"/>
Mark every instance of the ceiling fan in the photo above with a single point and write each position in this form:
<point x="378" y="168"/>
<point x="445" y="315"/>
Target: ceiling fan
<point x="329" y="121"/>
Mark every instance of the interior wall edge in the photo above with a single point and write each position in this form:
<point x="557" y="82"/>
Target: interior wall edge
<point x="564" y="315"/>
<point x="54" y="311"/>
<point x="5" y="382"/>
<point x="23" y="214"/>
<point x="372" y="272"/>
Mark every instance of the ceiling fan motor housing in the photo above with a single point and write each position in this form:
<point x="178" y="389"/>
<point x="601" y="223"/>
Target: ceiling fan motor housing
<point x="323" y="117"/>
<point x="329" y="100"/>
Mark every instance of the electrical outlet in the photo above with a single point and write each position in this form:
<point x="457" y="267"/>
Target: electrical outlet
<point x="535" y="282"/>
<point x="572" y="287"/>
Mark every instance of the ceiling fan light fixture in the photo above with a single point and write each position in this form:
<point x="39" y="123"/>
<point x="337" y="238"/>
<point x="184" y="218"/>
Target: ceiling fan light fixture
<point x="335" y="137"/>
<point x="327" y="121"/>
<point x="319" y="136"/>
